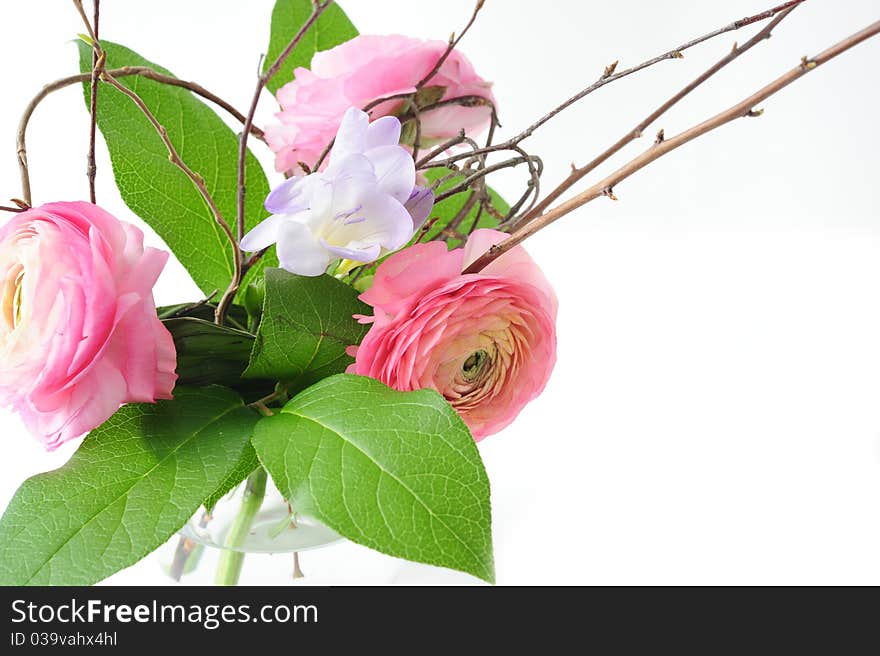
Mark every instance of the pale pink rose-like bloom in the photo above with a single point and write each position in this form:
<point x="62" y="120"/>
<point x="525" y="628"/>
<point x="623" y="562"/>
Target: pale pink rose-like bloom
<point x="360" y="71"/>
<point x="78" y="327"/>
<point x="486" y="341"/>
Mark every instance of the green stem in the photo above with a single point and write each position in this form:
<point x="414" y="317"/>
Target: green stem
<point x="231" y="560"/>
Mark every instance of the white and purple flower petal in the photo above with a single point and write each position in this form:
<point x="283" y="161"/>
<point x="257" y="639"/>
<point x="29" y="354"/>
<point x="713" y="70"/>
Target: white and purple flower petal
<point x="299" y="252"/>
<point x="365" y="203"/>
<point x="395" y="171"/>
<point x="419" y="205"/>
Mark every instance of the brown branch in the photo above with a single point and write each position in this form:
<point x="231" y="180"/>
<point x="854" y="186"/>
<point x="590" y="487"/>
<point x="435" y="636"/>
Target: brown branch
<point x="453" y="42"/>
<point x="442" y="148"/>
<point x="578" y="173"/>
<point x="609" y="75"/>
<point x="262" y="81"/>
<point x="482" y="172"/>
<point x="125" y="71"/>
<point x="97" y="65"/>
<point x="604" y="187"/>
<point x="197" y="180"/>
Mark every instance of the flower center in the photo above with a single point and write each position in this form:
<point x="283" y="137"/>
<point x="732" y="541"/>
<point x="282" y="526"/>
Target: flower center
<point x="475" y="364"/>
<point x="16" y="299"/>
<point x="12" y="297"/>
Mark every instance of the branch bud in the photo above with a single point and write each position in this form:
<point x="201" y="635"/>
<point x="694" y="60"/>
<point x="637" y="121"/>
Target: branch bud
<point x="609" y="70"/>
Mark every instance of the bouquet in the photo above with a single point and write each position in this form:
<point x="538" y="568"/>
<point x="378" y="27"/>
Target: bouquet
<point x="369" y="311"/>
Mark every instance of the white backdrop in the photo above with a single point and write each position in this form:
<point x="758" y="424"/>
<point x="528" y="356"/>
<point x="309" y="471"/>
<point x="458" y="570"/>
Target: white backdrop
<point x="714" y="415"/>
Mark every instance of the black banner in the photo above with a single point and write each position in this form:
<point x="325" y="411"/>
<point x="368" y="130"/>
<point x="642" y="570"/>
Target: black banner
<point x="412" y="620"/>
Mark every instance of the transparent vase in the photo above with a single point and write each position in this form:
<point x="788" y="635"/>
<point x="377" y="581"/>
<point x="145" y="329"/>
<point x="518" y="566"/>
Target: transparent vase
<point x="252" y="523"/>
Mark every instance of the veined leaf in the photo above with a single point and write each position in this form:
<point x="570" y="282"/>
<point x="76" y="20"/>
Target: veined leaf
<point x="159" y="192"/>
<point x="131" y="485"/>
<point x="331" y="29"/>
<point x="307" y="324"/>
<point x="243" y="468"/>
<point x="395" y="471"/>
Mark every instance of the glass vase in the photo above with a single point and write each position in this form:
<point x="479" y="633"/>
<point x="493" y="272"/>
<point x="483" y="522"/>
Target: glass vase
<point x="250" y="522"/>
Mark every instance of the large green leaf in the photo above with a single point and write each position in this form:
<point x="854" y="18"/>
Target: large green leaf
<point x="159" y="192"/>
<point x="133" y="482"/>
<point x="331" y="29"/>
<point x="307" y="324"/>
<point x="395" y="471"/>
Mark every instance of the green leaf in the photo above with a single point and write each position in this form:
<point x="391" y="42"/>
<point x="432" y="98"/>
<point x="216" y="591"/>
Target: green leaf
<point x="445" y="211"/>
<point x="235" y="315"/>
<point x="307" y="324"/>
<point x="243" y="468"/>
<point x="208" y="353"/>
<point x="288" y="16"/>
<point x="154" y="188"/>
<point x="395" y="471"/>
<point x="131" y="485"/>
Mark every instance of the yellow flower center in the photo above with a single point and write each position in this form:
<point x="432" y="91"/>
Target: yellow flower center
<point x="16" y="299"/>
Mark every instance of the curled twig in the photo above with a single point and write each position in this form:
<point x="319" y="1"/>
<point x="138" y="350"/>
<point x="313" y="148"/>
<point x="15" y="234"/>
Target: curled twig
<point x="197" y="180"/>
<point x="124" y="71"/>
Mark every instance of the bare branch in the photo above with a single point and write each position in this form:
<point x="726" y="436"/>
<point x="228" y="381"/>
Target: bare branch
<point x="262" y="81"/>
<point x="97" y="65"/>
<point x="125" y="71"/>
<point x="605" y="78"/>
<point x="578" y="173"/>
<point x="197" y="180"/>
<point x="741" y="109"/>
<point x="453" y="42"/>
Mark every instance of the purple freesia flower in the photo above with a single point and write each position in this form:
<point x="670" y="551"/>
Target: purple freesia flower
<point x="363" y="205"/>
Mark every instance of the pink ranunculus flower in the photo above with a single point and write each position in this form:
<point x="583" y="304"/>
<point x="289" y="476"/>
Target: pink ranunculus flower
<point x="360" y="71"/>
<point x="486" y="342"/>
<point x="79" y="332"/>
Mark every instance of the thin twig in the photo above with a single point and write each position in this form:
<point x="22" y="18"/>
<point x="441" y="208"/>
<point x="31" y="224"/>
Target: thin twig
<point x="453" y="42"/>
<point x="446" y="145"/>
<point x="417" y="139"/>
<point x="85" y="19"/>
<point x="657" y="150"/>
<point x="262" y="81"/>
<point x="125" y="71"/>
<point x="609" y="75"/>
<point x="578" y="173"/>
<point x="481" y="173"/>
<point x="97" y="64"/>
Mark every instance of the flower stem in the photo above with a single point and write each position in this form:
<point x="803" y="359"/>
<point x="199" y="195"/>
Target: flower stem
<point x="232" y="560"/>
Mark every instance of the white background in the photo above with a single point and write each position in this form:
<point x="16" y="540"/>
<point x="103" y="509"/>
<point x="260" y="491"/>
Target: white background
<point x="714" y="415"/>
